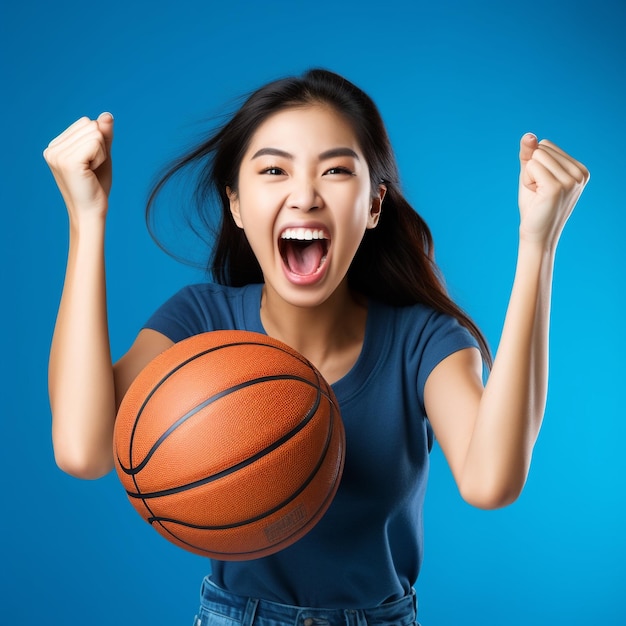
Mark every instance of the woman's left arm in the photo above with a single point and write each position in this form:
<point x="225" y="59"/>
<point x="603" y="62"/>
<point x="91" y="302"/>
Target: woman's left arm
<point x="487" y="435"/>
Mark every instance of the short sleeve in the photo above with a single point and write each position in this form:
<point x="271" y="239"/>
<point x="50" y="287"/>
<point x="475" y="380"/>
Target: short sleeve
<point x="442" y="336"/>
<point x="182" y="316"/>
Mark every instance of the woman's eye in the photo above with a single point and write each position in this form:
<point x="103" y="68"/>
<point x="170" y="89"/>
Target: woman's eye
<point x="273" y="171"/>
<point x="340" y="170"/>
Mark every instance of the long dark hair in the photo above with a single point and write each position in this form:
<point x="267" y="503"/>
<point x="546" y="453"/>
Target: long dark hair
<point x="395" y="261"/>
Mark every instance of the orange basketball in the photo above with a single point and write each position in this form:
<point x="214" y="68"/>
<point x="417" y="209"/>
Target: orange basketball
<point x="230" y="444"/>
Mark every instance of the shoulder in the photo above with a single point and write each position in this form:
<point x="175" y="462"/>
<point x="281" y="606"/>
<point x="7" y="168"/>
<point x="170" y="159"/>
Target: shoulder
<point x="419" y="336"/>
<point x="203" y="307"/>
<point x="203" y="298"/>
<point x="417" y="322"/>
<point x="203" y="291"/>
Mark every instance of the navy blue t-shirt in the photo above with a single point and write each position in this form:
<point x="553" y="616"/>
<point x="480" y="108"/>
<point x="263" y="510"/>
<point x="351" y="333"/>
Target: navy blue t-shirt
<point x="368" y="547"/>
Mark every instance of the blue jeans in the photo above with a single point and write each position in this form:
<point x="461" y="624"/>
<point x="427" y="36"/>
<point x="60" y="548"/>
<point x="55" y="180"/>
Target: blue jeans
<point x="222" y="608"/>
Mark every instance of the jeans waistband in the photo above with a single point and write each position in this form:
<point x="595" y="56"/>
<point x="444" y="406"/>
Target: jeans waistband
<point x="246" y="610"/>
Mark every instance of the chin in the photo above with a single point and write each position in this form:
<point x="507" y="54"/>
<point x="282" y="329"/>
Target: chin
<point x="303" y="296"/>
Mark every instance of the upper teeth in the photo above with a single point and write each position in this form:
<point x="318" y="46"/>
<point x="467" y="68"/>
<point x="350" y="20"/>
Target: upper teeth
<point x="303" y="234"/>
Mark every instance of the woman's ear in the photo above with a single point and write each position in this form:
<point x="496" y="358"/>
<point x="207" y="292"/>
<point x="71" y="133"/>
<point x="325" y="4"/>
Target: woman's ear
<point x="376" y="207"/>
<point x="233" y="199"/>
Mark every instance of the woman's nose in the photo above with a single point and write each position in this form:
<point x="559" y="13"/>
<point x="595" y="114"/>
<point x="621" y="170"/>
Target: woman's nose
<point x="304" y="195"/>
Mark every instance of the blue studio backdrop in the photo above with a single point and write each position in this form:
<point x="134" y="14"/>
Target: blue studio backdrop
<point x="458" y="83"/>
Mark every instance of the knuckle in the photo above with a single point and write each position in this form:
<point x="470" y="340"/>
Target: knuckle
<point x="50" y="155"/>
<point x="570" y="184"/>
<point x="586" y="174"/>
<point x="91" y="128"/>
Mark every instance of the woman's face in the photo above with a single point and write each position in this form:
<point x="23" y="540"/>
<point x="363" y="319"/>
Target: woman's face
<point x="304" y="200"/>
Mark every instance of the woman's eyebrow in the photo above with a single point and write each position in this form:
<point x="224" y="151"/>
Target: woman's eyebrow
<point x="338" y="152"/>
<point x="327" y="154"/>
<point x="272" y="152"/>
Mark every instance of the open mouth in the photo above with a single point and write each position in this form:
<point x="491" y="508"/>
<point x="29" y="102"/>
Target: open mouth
<point x="303" y="250"/>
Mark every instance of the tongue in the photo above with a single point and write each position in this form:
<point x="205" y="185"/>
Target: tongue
<point x="304" y="259"/>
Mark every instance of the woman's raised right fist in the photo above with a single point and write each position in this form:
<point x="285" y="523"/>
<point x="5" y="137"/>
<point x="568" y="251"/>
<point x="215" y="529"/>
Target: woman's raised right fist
<point x="80" y="160"/>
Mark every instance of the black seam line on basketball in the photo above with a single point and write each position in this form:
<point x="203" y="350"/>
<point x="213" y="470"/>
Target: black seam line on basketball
<point x="234" y="468"/>
<point x="179" y="366"/>
<point x="161" y="521"/>
<point x="252" y="553"/>
<point x="134" y="471"/>
<point x="274" y="446"/>
<point x="334" y="415"/>
<point x="297" y="356"/>
<point x="251" y="520"/>
<point x="218" y="396"/>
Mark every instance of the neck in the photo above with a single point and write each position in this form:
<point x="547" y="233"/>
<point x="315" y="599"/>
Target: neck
<point x="329" y="335"/>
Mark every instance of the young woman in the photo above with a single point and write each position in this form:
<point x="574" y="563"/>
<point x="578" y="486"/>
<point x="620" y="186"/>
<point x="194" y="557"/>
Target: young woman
<point x="318" y="248"/>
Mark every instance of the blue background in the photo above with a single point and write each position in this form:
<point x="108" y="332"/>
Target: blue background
<point x="458" y="84"/>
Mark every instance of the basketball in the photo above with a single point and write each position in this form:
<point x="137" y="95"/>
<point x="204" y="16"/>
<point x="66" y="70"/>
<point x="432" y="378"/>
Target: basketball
<point x="230" y="444"/>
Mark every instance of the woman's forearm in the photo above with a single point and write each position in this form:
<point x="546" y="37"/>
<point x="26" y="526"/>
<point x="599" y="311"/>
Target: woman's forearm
<point x="513" y="402"/>
<point x="81" y="387"/>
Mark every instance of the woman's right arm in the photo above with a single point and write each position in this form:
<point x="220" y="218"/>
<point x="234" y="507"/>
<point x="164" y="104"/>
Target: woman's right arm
<point x="85" y="389"/>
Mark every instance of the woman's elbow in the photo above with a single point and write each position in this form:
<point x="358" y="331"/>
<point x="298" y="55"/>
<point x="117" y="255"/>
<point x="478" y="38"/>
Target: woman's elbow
<point x="491" y="495"/>
<point x="77" y="469"/>
<point x="81" y="464"/>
